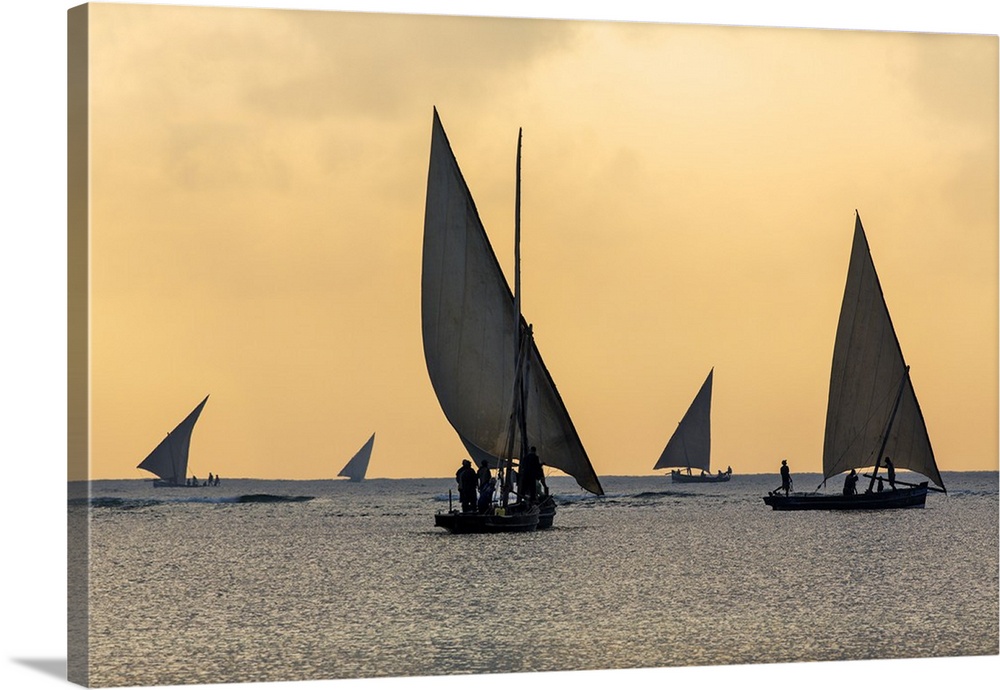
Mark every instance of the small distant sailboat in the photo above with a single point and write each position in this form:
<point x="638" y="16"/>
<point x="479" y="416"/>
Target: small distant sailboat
<point x="169" y="460"/>
<point x="872" y="413"/>
<point x="357" y="466"/>
<point x="690" y="445"/>
<point x="481" y="357"/>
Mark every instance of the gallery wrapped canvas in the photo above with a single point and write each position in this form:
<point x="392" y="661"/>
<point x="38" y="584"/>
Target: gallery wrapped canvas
<point x="388" y="339"/>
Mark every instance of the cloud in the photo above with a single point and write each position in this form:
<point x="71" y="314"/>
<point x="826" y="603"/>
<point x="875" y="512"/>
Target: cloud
<point x="323" y="65"/>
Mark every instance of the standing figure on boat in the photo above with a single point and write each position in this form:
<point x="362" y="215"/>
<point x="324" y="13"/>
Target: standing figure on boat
<point x="891" y="471"/>
<point x="851" y="484"/>
<point x="487" y="485"/>
<point x="486" y="495"/>
<point x="483" y="475"/>
<point x="466" y="478"/>
<point x="786" y="478"/>
<point x="530" y="474"/>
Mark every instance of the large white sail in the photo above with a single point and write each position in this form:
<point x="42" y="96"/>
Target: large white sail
<point x="691" y="443"/>
<point x="357" y="466"/>
<point x="470" y="325"/>
<point x="868" y="375"/>
<point x="169" y="460"/>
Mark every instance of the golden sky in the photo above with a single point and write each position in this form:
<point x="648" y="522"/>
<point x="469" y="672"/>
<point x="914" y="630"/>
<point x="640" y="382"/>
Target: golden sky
<point x="258" y="181"/>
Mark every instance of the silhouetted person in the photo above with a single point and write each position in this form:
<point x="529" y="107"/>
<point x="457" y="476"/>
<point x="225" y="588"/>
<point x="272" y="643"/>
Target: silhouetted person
<point x="486" y="495"/>
<point x="880" y="487"/>
<point x="529" y="474"/>
<point x="891" y="471"/>
<point x="483" y="475"/>
<point x="466" y="478"/>
<point x="786" y="478"/>
<point x="211" y="480"/>
<point x="851" y="484"/>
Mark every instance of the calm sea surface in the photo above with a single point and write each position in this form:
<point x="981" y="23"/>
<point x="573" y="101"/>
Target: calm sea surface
<point x="189" y="586"/>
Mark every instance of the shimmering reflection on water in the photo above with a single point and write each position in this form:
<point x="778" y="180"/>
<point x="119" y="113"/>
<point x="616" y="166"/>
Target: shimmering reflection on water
<point x="359" y="583"/>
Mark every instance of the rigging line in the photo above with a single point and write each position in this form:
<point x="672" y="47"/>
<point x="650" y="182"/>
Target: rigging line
<point x="888" y="426"/>
<point x="507" y="462"/>
<point x="858" y="436"/>
<point x="518" y="366"/>
<point x="524" y="388"/>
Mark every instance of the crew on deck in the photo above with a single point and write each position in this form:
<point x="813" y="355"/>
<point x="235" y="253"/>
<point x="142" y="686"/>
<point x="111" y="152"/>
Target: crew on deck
<point x="487" y="485"/>
<point x="891" y="471"/>
<point x="466" y="478"/>
<point x="786" y="479"/>
<point x="530" y="475"/>
<point x="851" y="484"/>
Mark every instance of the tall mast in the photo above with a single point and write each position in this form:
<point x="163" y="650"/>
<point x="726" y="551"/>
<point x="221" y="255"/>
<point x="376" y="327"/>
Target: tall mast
<point x="517" y="243"/>
<point x="516" y="421"/>
<point x="888" y="426"/>
<point x="524" y="347"/>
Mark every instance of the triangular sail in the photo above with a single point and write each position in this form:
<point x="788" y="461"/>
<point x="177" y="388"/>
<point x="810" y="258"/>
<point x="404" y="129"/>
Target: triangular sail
<point x="691" y="443"/>
<point x="868" y="371"/>
<point x="470" y="325"/>
<point x="169" y="460"/>
<point x="357" y="466"/>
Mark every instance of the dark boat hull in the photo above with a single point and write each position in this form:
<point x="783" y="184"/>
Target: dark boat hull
<point x="546" y="513"/>
<point x="271" y="498"/>
<point x="887" y="500"/>
<point x="697" y="478"/>
<point x="482" y="523"/>
<point x="166" y="483"/>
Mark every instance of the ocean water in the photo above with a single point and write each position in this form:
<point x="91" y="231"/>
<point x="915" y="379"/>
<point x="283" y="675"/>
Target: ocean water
<point x="191" y="586"/>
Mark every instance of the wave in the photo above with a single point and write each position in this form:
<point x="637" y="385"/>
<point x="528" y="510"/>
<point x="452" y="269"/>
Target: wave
<point x="114" y="502"/>
<point x="665" y="494"/>
<point x="271" y="498"/>
<point x="119" y="503"/>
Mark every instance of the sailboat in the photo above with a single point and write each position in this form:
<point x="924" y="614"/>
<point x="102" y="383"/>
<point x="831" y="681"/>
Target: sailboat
<point x="169" y="460"/>
<point x="872" y="413"/>
<point x="357" y="466"/>
<point x="482" y="359"/>
<point x="691" y="443"/>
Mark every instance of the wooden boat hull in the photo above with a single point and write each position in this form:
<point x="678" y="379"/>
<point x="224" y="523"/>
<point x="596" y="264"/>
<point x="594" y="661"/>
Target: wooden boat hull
<point x="483" y="523"/>
<point x="698" y="479"/>
<point x="164" y="483"/>
<point x="546" y="513"/>
<point x="887" y="500"/>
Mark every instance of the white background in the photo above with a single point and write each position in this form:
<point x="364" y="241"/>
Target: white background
<point x="33" y="333"/>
